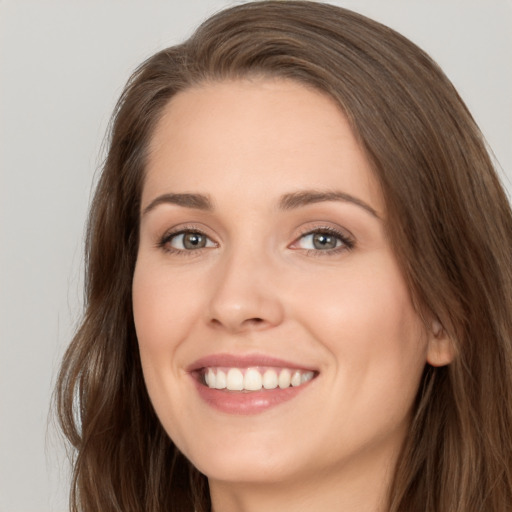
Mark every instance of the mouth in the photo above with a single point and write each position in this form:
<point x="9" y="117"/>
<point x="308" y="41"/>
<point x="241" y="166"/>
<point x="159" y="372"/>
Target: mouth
<point x="248" y="384"/>
<point x="253" y="378"/>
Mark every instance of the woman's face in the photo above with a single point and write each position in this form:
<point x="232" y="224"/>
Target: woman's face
<point x="264" y="266"/>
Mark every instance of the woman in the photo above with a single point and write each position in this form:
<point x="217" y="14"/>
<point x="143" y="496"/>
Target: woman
<point x="299" y="284"/>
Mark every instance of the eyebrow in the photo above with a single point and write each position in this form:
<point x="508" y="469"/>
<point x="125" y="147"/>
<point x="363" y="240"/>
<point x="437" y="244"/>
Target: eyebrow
<point x="307" y="197"/>
<point x="196" y="201"/>
<point x="289" y="201"/>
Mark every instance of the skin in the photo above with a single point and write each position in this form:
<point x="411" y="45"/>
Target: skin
<point x="260" y="286"/>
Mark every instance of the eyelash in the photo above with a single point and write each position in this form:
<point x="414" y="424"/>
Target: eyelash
<point x="163" y="243"/>
<point x="347" y="242"/>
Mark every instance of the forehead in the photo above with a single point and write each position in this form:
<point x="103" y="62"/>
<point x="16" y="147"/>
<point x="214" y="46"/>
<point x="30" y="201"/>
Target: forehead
<point x="263" y="135"/>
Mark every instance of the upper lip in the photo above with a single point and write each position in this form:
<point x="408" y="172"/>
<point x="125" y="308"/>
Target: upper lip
<point x="244" y="361"/>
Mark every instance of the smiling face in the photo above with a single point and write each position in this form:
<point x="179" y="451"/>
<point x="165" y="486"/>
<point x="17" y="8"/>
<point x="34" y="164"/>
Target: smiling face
<point x="263" y="256"/>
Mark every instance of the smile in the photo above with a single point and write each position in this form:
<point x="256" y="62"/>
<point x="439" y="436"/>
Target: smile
<point x="255" y="378"/>
<point x="249" y="384"/>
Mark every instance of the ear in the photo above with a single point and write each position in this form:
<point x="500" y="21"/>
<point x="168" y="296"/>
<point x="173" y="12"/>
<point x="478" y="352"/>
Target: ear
<point x="440" y="349"/>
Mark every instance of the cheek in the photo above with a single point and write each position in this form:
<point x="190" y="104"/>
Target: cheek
<point x="365" y="319"/>
<point x="365" y="293"/>
<point x="364" y="316"/>
<point x="163" y="307"/>
<point x="165" y="312"/>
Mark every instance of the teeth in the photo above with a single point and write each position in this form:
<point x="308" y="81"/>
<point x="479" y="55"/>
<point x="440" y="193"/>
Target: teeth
<point x="305" y="377"/>
<point x="210" y="378"/>
<point x="220" y="380"/>
<point x="295" y="380"/>
<point x="270" y="379"/>
<point x="235" y="380"/>
<point x="284" y="379"/>
<point x="254" y="379"/>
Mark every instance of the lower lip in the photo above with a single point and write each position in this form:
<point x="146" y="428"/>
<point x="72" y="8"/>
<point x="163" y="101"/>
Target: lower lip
<point x="252" y="402"/>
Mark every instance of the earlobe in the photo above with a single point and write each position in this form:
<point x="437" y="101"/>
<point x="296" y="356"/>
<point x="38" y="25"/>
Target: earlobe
<point x="441" y="350"/>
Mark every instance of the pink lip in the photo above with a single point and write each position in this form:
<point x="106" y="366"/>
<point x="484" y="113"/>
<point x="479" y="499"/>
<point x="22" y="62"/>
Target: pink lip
<point x="240" y="402"/>
<point x="244" y="361"/>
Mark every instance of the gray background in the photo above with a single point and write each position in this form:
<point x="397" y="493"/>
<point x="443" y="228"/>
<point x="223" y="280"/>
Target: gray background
<point x="62" y="67"/>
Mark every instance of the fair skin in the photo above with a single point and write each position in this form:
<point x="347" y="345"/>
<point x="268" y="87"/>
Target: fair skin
<point x="277" y="252"/>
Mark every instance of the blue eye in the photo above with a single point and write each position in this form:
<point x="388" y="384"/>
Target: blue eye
<point x="187" y="241"/>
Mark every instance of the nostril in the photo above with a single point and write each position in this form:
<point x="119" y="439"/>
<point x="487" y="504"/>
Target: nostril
<point x="254" y="323"/>
<point x="246" y="321"/>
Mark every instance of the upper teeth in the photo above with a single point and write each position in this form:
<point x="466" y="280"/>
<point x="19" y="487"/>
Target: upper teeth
<point x="254" y="379"/>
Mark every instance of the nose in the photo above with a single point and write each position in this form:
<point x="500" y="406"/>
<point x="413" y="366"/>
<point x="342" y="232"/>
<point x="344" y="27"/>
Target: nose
<point x="245" y="296"/>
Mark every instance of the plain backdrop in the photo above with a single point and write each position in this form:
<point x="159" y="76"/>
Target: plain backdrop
<point x="62" y="67"/>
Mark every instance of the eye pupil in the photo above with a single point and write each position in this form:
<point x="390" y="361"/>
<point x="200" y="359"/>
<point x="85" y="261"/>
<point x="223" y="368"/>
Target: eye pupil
<point x="324" y="241"/>
<point x="194" y="240"/>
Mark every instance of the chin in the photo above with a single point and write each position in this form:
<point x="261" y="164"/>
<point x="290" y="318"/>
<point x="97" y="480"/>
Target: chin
<point x="254" y="458"/>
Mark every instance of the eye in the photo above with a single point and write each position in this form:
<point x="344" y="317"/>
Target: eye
<point x="186" y="241"/>
<point x="324" y="240"/>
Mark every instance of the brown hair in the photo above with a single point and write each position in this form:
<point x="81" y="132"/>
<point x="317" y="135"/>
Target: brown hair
<point x="448" y="219"/>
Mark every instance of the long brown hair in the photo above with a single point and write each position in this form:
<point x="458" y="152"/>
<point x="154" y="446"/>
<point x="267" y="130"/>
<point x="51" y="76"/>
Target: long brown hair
<point x="449" y="222"/>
